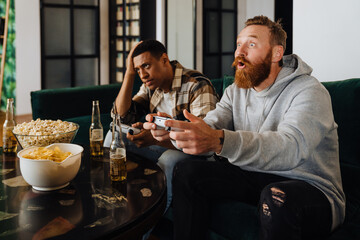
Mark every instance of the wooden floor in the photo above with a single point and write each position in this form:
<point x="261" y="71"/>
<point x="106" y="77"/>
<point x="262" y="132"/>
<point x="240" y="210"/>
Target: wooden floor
<point x="18" y="119"/>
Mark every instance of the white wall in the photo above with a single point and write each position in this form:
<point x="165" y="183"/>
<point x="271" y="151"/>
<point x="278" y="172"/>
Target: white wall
<point x="199" y="36"/>
<point x="180" y="35"/>
<point x="259" y="7"/>
<point x="28" y="69"/>
<point x="160" y="21"/>
<point x="326" y="35"/>
<point x="104" y="42"/>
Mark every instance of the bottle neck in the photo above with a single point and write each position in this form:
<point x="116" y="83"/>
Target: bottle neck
<point x="10" y="111"/>
<point x="95" y="114"/>
<point x="116" y="132"/>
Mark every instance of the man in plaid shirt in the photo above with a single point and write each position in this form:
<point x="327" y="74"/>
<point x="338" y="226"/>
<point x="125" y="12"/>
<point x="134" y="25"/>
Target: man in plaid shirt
<point x="168" y="88"/>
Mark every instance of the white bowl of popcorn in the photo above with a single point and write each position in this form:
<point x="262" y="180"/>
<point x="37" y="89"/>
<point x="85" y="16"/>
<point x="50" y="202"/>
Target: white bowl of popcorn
<point x="52" y="167"/>
<point x="45" y="132"/>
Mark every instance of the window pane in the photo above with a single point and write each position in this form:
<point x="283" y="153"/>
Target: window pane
<point x="57" y="1"/>
<point x="210" y="3"/>
<point x="85" y="31"/>
<point x="227" y="60"/>
<point x="86" y="2"/>
<point x="227" y="32"/>
<point x="57" y="73"/>
<point x="86" y="72"/>
<point x="212" y="36"/>
<point x="211" y="66"/>
<point x="228" y="4"/>
<point x="56" y="32"/>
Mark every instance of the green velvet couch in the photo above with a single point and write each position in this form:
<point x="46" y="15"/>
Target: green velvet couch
<point x="75" y="105"/>
<point x="230" y="219"/>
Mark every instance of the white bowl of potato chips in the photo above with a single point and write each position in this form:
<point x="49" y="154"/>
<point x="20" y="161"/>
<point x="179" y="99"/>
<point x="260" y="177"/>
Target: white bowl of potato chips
<point x="52" y="167"/>
<point x="45" y="132"/>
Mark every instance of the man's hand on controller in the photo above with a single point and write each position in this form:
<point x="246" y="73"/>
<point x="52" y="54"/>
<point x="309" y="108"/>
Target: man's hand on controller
<point x="197" y="137"/>
<point x="159" y="134"/>
<point x="143" y="139"/>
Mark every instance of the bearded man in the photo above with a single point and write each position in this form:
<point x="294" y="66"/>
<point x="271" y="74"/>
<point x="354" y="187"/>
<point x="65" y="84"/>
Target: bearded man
<point x="275" y="126"/>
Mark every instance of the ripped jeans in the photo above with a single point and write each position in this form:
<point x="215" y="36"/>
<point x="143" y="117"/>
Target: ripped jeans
<point x="287" y="208"/>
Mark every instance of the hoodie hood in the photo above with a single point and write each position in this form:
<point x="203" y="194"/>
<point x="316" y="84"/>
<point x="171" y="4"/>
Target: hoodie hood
<point x="293" y="68"/>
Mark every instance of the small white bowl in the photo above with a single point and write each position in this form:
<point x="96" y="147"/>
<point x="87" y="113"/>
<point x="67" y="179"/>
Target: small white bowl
<point x="47" y="175"/>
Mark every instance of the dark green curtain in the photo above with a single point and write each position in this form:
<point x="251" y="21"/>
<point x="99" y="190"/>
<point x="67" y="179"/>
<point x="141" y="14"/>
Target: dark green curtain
<point x="9" y="83"/>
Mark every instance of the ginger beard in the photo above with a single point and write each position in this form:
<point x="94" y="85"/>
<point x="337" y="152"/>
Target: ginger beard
<point x="253" y="74"/>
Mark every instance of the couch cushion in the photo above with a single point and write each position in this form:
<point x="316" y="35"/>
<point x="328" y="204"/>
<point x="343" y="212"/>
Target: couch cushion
<point x="218" y="85"/>
<point x="221" y="83"/>
<point x="228" y="80"/>
<point x="82" y="137"/>
<point x="345" y="97"/>
<point x="72" y="102"/>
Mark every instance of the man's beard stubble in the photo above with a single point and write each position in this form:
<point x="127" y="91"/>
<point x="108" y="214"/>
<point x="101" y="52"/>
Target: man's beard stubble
<point x="253" y="74"/>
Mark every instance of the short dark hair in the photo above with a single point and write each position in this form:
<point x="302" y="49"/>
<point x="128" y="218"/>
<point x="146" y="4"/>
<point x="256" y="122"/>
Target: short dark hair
<point x="156" y="48"/>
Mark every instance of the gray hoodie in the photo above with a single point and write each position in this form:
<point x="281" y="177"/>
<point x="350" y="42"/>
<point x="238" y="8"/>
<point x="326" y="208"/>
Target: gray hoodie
<point x="287" y="129"/>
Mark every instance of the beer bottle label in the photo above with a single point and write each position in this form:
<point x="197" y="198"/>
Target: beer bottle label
<point x="120" y="152"/>
<point x="96" y="135"/>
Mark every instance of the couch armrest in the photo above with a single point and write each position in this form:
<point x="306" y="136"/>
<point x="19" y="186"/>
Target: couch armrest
<point x="65" y="103"/>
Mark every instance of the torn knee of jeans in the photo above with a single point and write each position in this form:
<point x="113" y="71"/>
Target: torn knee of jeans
<point x="278" y="196"/>
<point x="266" y="210"/>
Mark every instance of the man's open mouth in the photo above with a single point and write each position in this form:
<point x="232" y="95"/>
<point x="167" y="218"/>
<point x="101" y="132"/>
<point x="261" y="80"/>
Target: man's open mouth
<point x="241" y="65"/>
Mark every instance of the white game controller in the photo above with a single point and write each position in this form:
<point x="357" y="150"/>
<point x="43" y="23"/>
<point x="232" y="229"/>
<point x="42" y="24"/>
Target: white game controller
<point x="160" y="123"/>
<point x="128" y="129"/>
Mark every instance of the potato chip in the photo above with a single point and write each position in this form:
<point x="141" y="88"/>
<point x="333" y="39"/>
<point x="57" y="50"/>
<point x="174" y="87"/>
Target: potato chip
<point x="55" y="154"/>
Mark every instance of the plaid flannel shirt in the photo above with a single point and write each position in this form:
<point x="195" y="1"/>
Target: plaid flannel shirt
<point x="190" y="90"/>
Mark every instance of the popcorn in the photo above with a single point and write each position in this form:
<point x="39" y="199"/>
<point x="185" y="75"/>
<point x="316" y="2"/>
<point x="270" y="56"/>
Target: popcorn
<point x="44" y="132"/>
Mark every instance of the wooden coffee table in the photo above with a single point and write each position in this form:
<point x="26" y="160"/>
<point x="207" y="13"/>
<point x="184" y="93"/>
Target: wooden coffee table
<point x="91" y="207"/>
